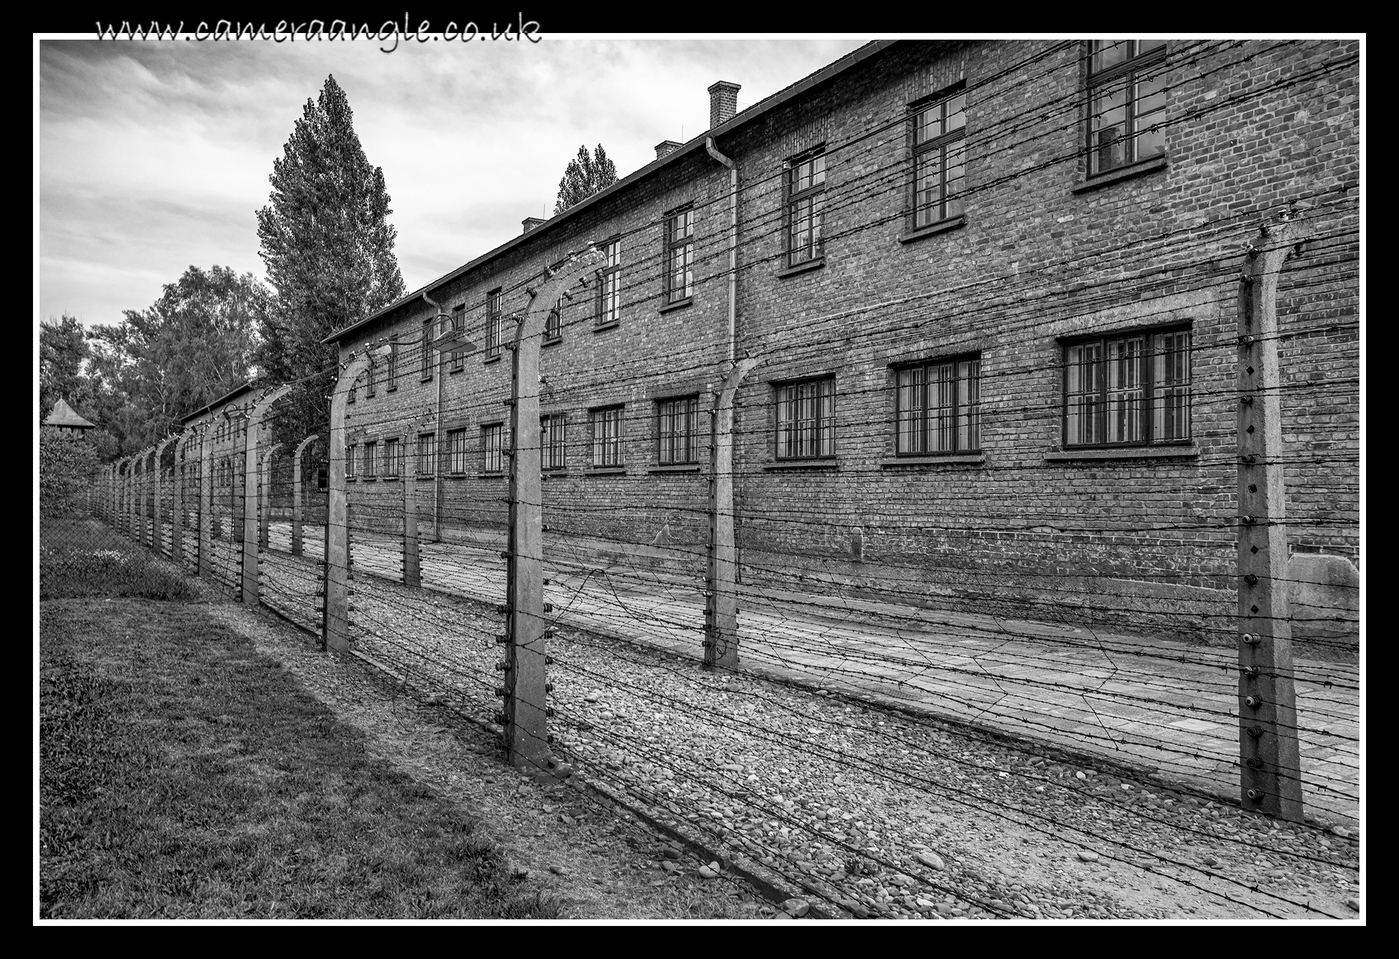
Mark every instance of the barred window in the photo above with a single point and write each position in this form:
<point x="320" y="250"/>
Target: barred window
<point x="458" y="319"/>
<point x="350" y="451"/>
<point x="493" y="448"/>
<point x="370" y="449"/>
<point x="939" y="160"/>
<point x="456" y="451"/>
<point x="1129" y="390"/>
<point x="369" y="378"/>
<point x="428" y="352"/>
<point x="391" y="373"/>
<point x="609" y="280"/>
<point x="939" y="406"/>
<point x="553" y="323"/>
<point x="607" y="436"/>
<point x="551" y="442"/>
<point x="675" y="430"/>
<point x="427" y="454"/>
<point x="495" y="324"/>
<point x="1126" y="102"/>
<point x="679" y="255"/>
<point x="806" y="187"/>
<point x="393" y="457"/>
<point x="806" y="415"/>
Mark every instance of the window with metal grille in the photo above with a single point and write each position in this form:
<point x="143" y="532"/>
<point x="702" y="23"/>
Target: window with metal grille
<point x="939" y="159"/>
<point x="551" y="442"/>
<point x="806" y="419"/>
<point x="679" y="255"/>
<point x="609" y="309"/>
<point x="393" y="457"/>
<point x="939" y="406"/>
<point x="458" y="319"/>
<point x="495" y="324"/>
<point x="806" y="187"/>
<point x="456" y="451"/>
<point x="1129" y="390"/>
<point x="369" y="378"/>
<point x="427" y="454"/>
<point x="391" y="365"/>
<point x="1126" y="102"/>
<point x="675" y="430"/>
<point x="553" y="323"/>
<point x="425" y="371"/>
<point x="350" y="451"/>
<point x="607" y="436"/>
<point x="370" y="450"/>
<point x="493" y="448"/>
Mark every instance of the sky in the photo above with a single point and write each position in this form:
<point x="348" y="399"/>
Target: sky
<point x="154" y="156"/>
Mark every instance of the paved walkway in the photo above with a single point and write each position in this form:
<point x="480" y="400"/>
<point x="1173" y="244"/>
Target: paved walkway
<point x="1167" y="706"/>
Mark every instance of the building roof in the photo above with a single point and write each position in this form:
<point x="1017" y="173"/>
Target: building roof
<point x="740" y="119"/>
<point x="232" y="394"/>
<point x="63" y="415"/>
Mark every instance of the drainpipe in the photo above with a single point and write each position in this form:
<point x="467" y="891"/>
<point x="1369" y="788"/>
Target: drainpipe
<point x="437" y="441"/>
<point x="733" y="245"/>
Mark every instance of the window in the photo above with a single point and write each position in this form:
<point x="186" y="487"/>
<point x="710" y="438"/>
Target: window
<point x="1126" y="102"/>
<point x="426" y="368"/>
<point x="938" y="407"/>
<point x="675" y="430"/>
<point x="456" y="451"/>
<point x="322" y="479"/>
<point x="370" y="449"/>
<point x="393" y="457"/>
<point x="350" y="460"/>
<point x="350" y="396"/>
<point x="679" y="255"/>
<point x="553" y="323"/>
<point x="1131" y="390"/>
<point x="391" y="374"/>
<point x="607" y="436"/>
<point x="427" y="454"/>
<point x="551" y="442"/>
<point x="609" y="292"/>
<point x="493" y="448"/>
<point x="495" y="324"/>
<point x="369" y="378"/>
<point x="458" y="318"/>
<point x="939" y="160"/>
<point x="806" y="419"/>
<point x="806" y="187"/>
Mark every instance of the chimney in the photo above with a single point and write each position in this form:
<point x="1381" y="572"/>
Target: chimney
<point x="530" y="222"/>
<point x="723" y="102"/>
<point x="666" y="147"/>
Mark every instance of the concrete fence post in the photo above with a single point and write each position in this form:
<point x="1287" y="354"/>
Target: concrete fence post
<point x="298" y="468"/>
<point x="157" y="522"/>
<point x="721" y="580"/>
<point x="524" y="720"/>
<point x="206" y="502"/>
<point x="252" y="502"/>
<point x="178" y="505"/>
<point x="265" y="496"/>
<point x="335" y="620"/>
<point x="150" y="482"/>
<point x="1270" y="762"/>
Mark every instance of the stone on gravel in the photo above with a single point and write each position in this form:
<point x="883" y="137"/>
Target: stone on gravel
<point x="1087" y="855"/>
<point x="1354" y="904"/>
<point x="796" y="907"/>
<point x="708" y="873"/>
<point x="931" y="859"/>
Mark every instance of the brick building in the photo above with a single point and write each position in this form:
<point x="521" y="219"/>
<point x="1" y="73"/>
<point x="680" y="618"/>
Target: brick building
<point x="993" y="286"/>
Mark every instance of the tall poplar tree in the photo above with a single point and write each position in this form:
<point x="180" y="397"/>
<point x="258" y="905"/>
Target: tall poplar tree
<point x="328" y="247"/>
<point x="584" y="176"/>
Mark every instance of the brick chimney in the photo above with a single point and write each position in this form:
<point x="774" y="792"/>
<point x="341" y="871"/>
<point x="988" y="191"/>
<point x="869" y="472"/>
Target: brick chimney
<point x="666" y="147"/>
<point x="723" y="102"/>
<point x="530" y="222"/>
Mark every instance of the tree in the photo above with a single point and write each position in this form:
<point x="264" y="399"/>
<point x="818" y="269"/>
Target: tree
<point x="583" y="177"/>
<point x="62" y="350"/>
<point x="187" y="349"/>
<point x="328" y="247"/>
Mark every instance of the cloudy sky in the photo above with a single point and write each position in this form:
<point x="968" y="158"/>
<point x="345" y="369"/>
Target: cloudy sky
<point x="154" y="155"/>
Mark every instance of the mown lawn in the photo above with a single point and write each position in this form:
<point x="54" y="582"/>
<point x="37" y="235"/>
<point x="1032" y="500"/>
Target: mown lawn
<point x="184" y="775"/>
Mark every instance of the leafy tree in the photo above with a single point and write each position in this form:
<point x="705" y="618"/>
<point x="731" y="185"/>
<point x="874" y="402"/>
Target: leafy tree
<point x="328" y="247"/>
<point x="62" y="350"/>
<point x="67" y="468"/>
<point x="190" y="347"/>
<point x="583" y="177"/>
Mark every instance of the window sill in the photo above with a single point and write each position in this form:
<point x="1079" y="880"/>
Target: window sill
<point x="368" y="479"/>
<point x="813" y="264"/>
<point x="389" y="479"/>
<point x="501" y="475"/>
<point x="424" y="476"/>
<point x="391" y="389"/>
<point x="955" y="459"/>
<point x="425" y="379"/>
<point x="491" y="359"/>
<point x="455" y="370"/>
<point x="553" y="342"/>
<point x="674" y="468"/>
<point x="606" y="471"/>
<point x="553" y="474"/>
<point x="933" y="229"/>
<point x="677" y="305"/>
<point x="455" y="476"/>
<point x="821" y="464"/>
<point x="1125" y="453"/>
<point x="604" y="327"/>
<point x="1140" y="168"/>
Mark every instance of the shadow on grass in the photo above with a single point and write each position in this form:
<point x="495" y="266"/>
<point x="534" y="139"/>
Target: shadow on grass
<point x="83" y="557"/>
<point x="185" y="775"/>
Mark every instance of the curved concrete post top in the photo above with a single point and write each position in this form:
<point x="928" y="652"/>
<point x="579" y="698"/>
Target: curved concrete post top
<point x="301" y="447"/>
